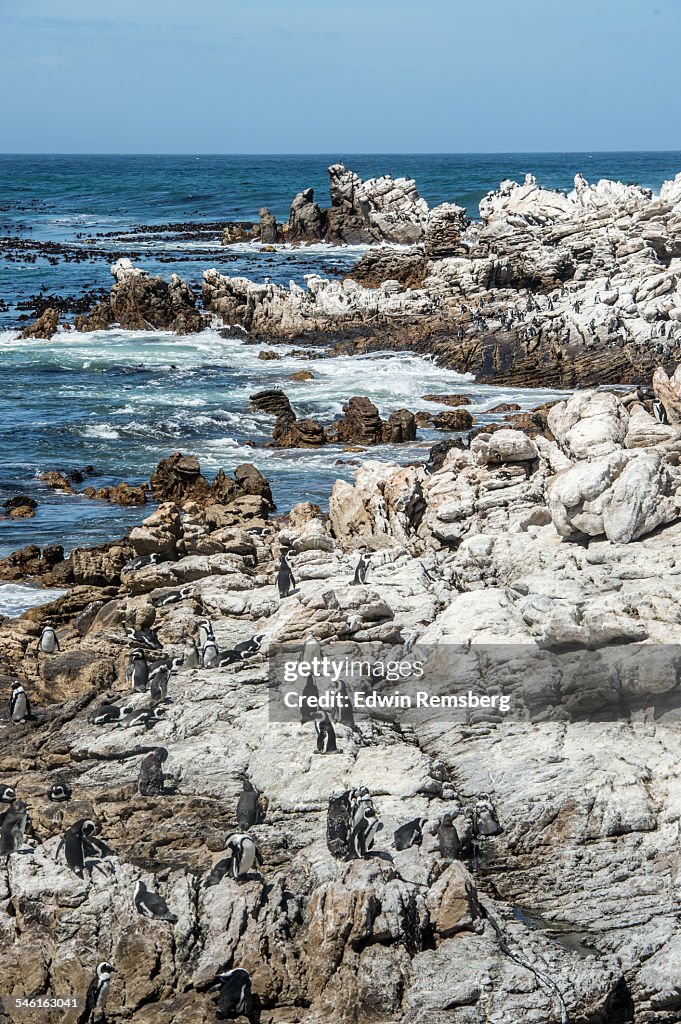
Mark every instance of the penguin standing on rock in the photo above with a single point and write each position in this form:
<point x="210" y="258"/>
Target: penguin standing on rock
<point x="235" y="998"/>
<point x="151" y="781"/>
<point x="326" y="734"/>
<point x="242" y="855"/>
<point x="248" y="806"/>
<point x="159" y="678"/>
<point x="485" y="820"/>
<point x="285" y="578"/>
<point x="190" y="654"/>
<point x="98" y="992"/>
<point x="448" y="839"/>
<point x="79" y="843"/>
<point x="19" y="704"/>
<point x="205" y="632"/>
<point x="150" y="904"/>
<point x="13" y="827"/>
<point x="364" y="833"/>
<point x="361" y="569"/>
<point x="210" y="654"/>
<point x="49" y="641"/>
<point x="137" y="672"/>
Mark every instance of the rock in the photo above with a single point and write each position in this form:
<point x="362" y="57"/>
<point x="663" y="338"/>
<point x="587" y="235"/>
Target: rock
<point x="589" y="424"/>
<point x="274" y="402"/>
<point x="178" y="478"/>
<point x="504" y="446"/>
<point x="139" y="302"/>
<point x="120" y="494"/>
<point x="377" y="266"/>
<point x="298" y="433"/>
<point x="268" y="354"/>
<point x="668" y="390"/>
<point x="237" y="232"/>
<point x="400" y="427"/>
<point x="45" y="326"/>
<point x="444" y="228"/>
<point x="268" y="226"/>
<point x="301" y="375"/>
<point x="56" y="481"/>
<point x="306" y="221"/>
<point x="361" y="423"/>
<point x="20" y="501"/>
<point x="458" y="419"/>
<point x="453" y="400"/>
<point x="496" y="410"/>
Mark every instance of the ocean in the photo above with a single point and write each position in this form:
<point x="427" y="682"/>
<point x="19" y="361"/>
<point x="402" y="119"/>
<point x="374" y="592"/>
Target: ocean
<point x="121" y="401"/>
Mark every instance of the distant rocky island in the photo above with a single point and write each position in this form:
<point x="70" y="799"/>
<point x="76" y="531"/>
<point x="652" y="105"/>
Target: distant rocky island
<point x="390" y="869"/>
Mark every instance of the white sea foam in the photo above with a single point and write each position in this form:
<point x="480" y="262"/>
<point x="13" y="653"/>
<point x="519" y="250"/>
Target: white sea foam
<point x="15" y="598"/>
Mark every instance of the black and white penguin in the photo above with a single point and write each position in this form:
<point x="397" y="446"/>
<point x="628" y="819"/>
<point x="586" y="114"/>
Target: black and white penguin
<point x="248" y="806"/>
<point x="285" y="578"/>
<point x="485" y="820"/>
<point x="171" y="597"/>
<point x="309" y="700"/>
<point x="98" y="992"/>
<point x="190" y="653"/>
<point x="205" y="632"/>
<point x="19" y="704"/>
<point x="159" y="678"/>
<point x="364" y="833"/>
<point x="150" y="904"/>
<point x="228" y="658"/>
<point x="409" y="834"/>
<point x="13" y="827"/>
<point x="141" y="562"/>
<point x="659" y="411"/>
<point x="49" y="641"/>
<point x="448" y="839"/>
<point x="210" y="654"/>
<point x="361" y="569"/>
<point x="151" y="780"/>
<point x="326" y="734"/>
<point x="235" y="998"/>
<point x="137" y="672"/>
<point x="144" y="638"/>
<point x="59" y="792"/>
<point x="339" y="826"/>
<point x="243" y="853"/>
<point x="8" y="794"/>
<point x="74" y="844"/>
<point x="360" y="799"/>
<point x="248" y="647"/>
<point x="107" y="713"/>
<point x="137" y="716"/>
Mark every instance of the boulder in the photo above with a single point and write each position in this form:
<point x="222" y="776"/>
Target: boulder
<point x="45" y="326"/>
<point x="269" y="233"/>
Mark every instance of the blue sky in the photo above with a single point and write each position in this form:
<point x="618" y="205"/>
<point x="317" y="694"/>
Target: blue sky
<point x="311" y="76"/>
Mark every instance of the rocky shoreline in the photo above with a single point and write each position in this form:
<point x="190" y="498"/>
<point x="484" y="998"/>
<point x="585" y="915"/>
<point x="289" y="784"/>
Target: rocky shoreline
<point x="555" y="544"/>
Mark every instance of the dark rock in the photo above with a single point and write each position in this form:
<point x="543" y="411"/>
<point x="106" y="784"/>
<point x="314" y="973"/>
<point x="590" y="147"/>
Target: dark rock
<point x="504" y="407"/>
<point x="268" y="226"/>
<point x="298" y="433"/>
<point x="452" y="400"/>
<point x="19" y="501"/>
<point x="401" y="427"/>
<point x="438" y="453"/>
<point x="306" y="221"/>
<point x="56" y="481"/>
<point x="274" y="402"/>
<point x="178" y="478"/>
<point x="361" y="423"/>
<point x="379" y="265"/>
<point x="455" y="419"/>
<point x="302" y="375"/>
<point x="44" y="327"/>
<point x="31" y="561"/>
<point x="268" y="353"/>
<point x="120" y="494"/>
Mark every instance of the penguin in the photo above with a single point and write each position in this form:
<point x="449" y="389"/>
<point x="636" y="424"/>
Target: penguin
<point x="361" y="569"/>
<point x="150" y="904"/>
<point x="248" y="806"/>
<point x="8" y="794"/>
<point x="158" y="682"/>
<point x="244" y="854"/>
<point x="210" y="654"/>
<point x="326" y="734"/>
<point x="360" y="799"/>
<point x="13" y="827"/>
<point x="190" y="654"/>
<point x="248" y="647"/>
<point x="364" y="833"/>
<point x="137" y="672"/>
<point x="106" y="713"/>
<point x="228" y="658"/>
<point x="485" y="821"/>
<point x="151" y="779"/>
<point x="98" y="992"/>
<point x="19" y="704"/>
<point x="659" y="411"/>
<point x="171" y="597"/>
<point x="138" y="716"/>
<point x="285" y="579"/>
<point x="141" y="562"/>
<point x="205" y="632"/>
<point x="448" y="839"/>
<point x="59" y="792"/>
<point x="309" y="700"/>
<point x="49" y="641"/>
<point x="74" y="843"/>
<point x="144" y="638"/>
<point x="235" y="998"/>
<point x="339" y="826"/>
<point x="410" y="834"/>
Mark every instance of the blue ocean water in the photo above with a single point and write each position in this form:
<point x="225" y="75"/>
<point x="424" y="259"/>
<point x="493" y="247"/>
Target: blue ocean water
<point x="121" y="401"/>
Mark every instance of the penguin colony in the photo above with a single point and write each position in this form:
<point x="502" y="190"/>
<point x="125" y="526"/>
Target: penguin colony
<point x="352" y="821"/>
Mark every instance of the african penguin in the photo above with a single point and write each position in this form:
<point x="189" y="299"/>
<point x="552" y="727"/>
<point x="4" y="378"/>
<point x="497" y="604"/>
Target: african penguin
<point x="106" y="713"/>
<point x="158" y="682"/>
<point x="59" y="792"/>
<point x="144" y="638"/>
<point x="141" y="562"/>
<point x="74" y="842"/>
<point x="8" y="794"/>
<point x="248" y="647"/>
<point x="210" y="654"/>
<point x="326" y="734"/>
<point x="151" y="780"/>
<point x="244" y="854"/>
<point x="248" y="806"/>
<point x="170" y="597"/>
<point x="19" y="704"/>
<point x="205" y="632"/>
<point x="360" y="799"/>
<point x="361" y="569"/>
<point x="285" y="579"/>
<point x="150" y="904"/>
<point x="98" y="992"/>
<point x="485" y="821"/>
<point x="13" y="827"/>
<point x="309" y="700"/>
<point x="137" y="672"/>
<point x="364" y="833"/>
<point x="410" y="834"/>
<point x="659" y="411"/>
<point x="339" y="826"/>
<point x="235" y="999"/>
<point x="49" y="641"/>
<point x="448" y="839"/>
<point x="190" y="654"/>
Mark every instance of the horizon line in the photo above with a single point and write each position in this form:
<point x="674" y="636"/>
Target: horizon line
<point x="358" y="153"/>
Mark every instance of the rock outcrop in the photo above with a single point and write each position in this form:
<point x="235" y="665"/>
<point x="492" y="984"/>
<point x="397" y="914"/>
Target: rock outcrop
<point x="44" y="327"/>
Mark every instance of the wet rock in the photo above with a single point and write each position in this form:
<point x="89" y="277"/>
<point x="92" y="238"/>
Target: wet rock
<point x="452" y="400"/>
<point x="302" y="375"/>
<point x="31" y="561"/>
<point x="44" y="327"/>
<point x="119" y="494"/>
<point x="361" y="423"/>
<point x="306" y="221"/>
<point x="457" y="419"/>
<point x="267" y="227"/>
<point x="56" y="481"/>
<point x="400" y="427"/>
<point x="268" y="354"/>
<point x="274" y="402"/>
<point x="178" y="478"/>
<point x="298" y="433"/>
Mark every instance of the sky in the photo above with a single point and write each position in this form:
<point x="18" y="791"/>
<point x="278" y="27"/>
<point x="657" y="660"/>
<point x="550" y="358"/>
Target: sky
<point x="316" y="76"/>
